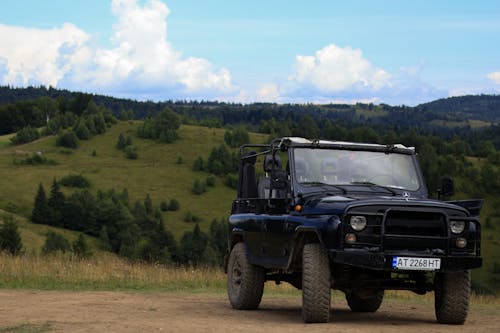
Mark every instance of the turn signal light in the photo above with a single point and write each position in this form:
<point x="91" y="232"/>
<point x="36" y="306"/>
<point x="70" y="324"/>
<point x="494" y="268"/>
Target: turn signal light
<point x="350" y="238"/>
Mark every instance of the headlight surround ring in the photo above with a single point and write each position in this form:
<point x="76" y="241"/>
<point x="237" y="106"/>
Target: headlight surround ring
<point x="358" y="222"/>
<point x="457" y="227"/>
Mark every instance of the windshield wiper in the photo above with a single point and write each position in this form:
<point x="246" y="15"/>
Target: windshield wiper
<point x="323" y="185"/>
<point x="377" y="185"/>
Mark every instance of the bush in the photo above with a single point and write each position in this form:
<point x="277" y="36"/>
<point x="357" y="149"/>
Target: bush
<point x="77" y="181"/>
<point x="199" y="187"/>
<point x="35" y="159"/>
<point x="231" y="181"/>
<point x="210" y="181"/>
<point x="55" y="242"/>
<point x="10" y="239"/>
<point x="191" y="217"/>
<point x="68" y="140"/>
<point x="123" y="141"/>
<point x="199" y="164"/>
<point x="174" y="205"/>
<point x="180" y="160"/>
<point x="82" y="131"/>
<point x="164" y="205"/>
<point x="131" y="152"/>
<point x="25" y="135"/>
<point x="80" y="248"/>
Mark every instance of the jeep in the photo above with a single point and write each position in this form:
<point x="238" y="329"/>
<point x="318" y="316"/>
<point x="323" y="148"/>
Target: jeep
<point x="354" y="217"/>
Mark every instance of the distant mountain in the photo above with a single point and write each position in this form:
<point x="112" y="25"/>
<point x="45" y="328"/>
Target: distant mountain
<point x="447" y="112"/>
<point x="478" y="107"/>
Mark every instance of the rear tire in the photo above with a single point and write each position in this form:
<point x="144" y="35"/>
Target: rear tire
<point x="245" y="282"/>
<point x="316" y="284"/>
<point x="451" y="297"/>
<point x="365" y="304"/>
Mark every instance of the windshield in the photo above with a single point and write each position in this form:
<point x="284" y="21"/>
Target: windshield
<point x="347" y="167"/>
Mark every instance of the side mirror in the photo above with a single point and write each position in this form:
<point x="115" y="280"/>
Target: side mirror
<point x="447" y="187"/>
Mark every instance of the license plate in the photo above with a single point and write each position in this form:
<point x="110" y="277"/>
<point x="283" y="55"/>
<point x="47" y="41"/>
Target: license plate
<point x="417" y="264"/>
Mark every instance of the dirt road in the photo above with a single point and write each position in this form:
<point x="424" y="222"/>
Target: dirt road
<point x="148" y="312"/>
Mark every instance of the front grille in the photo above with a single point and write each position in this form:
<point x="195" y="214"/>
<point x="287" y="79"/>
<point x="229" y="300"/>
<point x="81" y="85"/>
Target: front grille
<point x="413" y="223"/>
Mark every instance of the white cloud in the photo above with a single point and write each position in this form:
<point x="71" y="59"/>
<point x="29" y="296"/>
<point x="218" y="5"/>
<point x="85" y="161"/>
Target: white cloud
<point x="334" y="69"/>
<point x="268" y="92"/>
<point x="495" y="77"/>
<point x="141" y="57"/>
<point x="35" y="56"/>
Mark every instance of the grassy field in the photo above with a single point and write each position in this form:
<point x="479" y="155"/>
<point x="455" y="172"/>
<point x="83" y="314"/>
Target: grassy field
<point x="155" y="172"/>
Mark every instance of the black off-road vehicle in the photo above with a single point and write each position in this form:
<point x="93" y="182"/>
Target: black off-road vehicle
<point x="354" y="217"/>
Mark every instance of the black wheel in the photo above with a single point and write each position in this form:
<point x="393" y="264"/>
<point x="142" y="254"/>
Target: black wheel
<point x="245" y="282"/>
<point x="316" y="284"/>
<point x="362" y="303"/>
<point x="451" y="297"/>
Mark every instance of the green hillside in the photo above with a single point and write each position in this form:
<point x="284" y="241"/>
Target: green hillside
<point x="156" y="172"/>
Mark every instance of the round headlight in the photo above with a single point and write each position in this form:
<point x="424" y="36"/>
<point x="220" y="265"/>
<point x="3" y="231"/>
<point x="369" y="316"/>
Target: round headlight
<point x="358" y="223"/>
<point x="457" y="226"/>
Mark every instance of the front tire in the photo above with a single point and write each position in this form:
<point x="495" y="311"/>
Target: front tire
<point x="451" y="297"/>
<point x="365" y="304"/>
<point x="316" y="284"/>
<point x="245" y="282"/>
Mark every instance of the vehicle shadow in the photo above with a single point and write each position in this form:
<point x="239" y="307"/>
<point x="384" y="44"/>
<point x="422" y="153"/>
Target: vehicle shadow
<point x="341" y="315"/>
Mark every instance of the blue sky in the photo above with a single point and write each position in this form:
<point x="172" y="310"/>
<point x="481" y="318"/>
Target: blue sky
<point x="395" y="52"/>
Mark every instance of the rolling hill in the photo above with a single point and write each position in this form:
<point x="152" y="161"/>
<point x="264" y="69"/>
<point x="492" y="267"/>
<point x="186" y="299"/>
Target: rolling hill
<point x="156" y="172"/>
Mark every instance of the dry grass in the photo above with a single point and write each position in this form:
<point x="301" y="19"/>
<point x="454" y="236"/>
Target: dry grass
<point x="109" y="272"/>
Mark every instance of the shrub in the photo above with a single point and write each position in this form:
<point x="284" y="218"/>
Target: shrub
<point x="191" y="217"/>
<point x="35" y="159"/>
<point x="210" y="181"/>
<point x="78" y="181"/>
<point x="180" y="160"/>
<point x="68" y="140"/>
<point x="174" y="205"/>
<point x="80" y="248"/>
<point x="199" y="164"/>
<point x="164" y="205"/>
<point x="82" y="131"/>
<point x="131" y="152"/>
<point x="25" y="135"/>
<point x="232" y="181"/>
<point x="123" y="141"/>
<point x="199" y="187"/>
<point x="55" y="242"/>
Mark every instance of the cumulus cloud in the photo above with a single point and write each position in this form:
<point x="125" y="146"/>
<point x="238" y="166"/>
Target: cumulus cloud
<point x="495" y="77"/>
<point x="334" y="69"/>
<point x="141" y="57"/>
<point x="35" y="56"/>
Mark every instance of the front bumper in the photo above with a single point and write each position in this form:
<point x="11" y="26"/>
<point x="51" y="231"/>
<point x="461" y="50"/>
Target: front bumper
<point x="383" y="261"/>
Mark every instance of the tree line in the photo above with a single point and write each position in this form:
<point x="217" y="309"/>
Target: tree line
<point x="135" y="231"/>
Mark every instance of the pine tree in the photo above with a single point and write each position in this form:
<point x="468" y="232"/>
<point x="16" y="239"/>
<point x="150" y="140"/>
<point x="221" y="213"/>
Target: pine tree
<point x="56" y="204"/>
<point x="10" y="239"/>
<point x="121" y="143"/>
<point x="148" y="205"/>
<point x="104" y="239"/>
<point x="41" y="211"/>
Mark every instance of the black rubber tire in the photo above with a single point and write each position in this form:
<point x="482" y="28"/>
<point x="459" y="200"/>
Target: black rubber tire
<point x="365" y="304"/>
<point x="245" y="282"/>
<point x="316" y="284"/>
<point x="451" y="297"/>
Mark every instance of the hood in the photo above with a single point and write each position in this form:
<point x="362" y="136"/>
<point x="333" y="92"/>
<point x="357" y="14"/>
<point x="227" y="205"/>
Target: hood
<point x="339" y="204"/>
